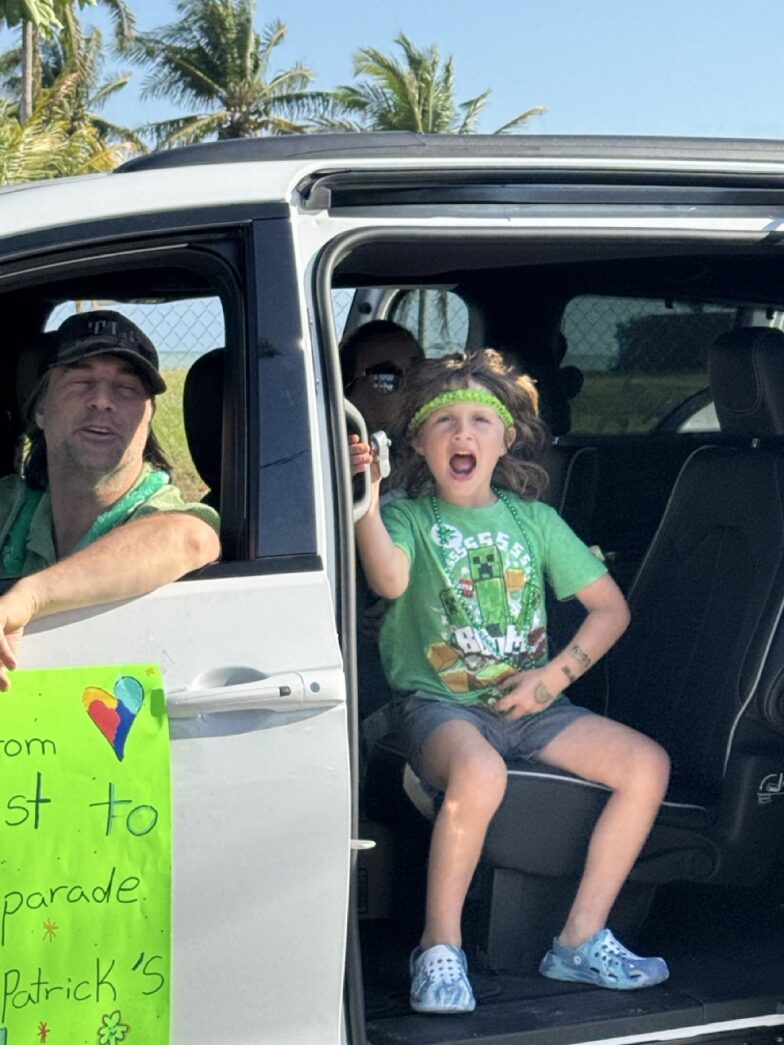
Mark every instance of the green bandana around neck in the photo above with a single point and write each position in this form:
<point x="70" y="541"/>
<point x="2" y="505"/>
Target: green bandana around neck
<point x="460" y="395"/>
<point x="15" y="544"/>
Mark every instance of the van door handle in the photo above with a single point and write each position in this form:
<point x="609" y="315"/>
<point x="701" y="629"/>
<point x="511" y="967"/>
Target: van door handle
<point x="362" y="504"/>
<point x="284" y="692"/>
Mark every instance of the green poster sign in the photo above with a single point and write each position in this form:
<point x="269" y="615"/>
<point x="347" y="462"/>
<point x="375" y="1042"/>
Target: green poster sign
<point x="85" y="858"/>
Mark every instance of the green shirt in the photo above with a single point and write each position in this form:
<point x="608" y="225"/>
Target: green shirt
<point x="474" y="610"/>
<point x="40" y="547"/>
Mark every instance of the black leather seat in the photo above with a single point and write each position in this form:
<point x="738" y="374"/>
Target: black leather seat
<point x="699" y="670"/>
<point x="202" y="405"/>
<point x="572" y="468"/>
<point x="748" y="397"/>
<point x="573" y="472"/>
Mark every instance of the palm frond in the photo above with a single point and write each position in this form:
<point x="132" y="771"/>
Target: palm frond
<point x="213" y="62"/>
<point x="187" y="130"/>
<point x="524" y="117"/>
<point x="471" y="110"/>
<point x="414" y="92"/>
<point x="50" y="144"/>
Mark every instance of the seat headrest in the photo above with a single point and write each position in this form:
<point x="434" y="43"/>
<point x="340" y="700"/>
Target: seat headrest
<point x="746" y="369"/>
<point x="202" y="407"/>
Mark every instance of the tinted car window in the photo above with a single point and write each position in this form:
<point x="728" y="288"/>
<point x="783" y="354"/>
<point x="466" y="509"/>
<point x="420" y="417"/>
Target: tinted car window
<point x="641" y="358"/>
<point x="437" y="318"/>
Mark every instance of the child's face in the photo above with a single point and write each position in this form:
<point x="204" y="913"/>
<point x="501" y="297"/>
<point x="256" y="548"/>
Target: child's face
<point x="462" y="444"/>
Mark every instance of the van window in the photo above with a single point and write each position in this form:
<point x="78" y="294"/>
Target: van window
<point x="437" y="318"/>
<point x="341" y="306"/>
<point x="642" y="358"/>
<point x="182" y="331"/>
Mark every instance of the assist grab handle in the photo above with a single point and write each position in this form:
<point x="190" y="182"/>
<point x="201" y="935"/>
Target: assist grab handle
<point x="357" y="423"/>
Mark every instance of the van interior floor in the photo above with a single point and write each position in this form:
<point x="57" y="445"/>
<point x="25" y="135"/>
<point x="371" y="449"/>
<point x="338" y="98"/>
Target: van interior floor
<point x="724" y="947"/>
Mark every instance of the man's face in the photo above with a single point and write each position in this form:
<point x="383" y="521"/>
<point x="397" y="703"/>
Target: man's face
<point x="375" y="383"/>
<point x="95" y="416"/>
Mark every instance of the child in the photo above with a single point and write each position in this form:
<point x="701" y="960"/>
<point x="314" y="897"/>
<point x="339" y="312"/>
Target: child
<point x="464" y="558"/>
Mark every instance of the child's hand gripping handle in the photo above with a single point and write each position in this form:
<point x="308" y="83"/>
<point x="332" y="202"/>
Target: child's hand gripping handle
<point x="369" y="456"/>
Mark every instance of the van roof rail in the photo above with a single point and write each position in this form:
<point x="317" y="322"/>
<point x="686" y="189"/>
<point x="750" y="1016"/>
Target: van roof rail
<point x="404" y="145"/>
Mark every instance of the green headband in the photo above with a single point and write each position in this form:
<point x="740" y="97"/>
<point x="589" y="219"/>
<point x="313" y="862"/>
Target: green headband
<point x="460" y="395"/>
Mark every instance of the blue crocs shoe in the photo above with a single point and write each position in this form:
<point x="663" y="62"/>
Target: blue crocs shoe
<point x="439" y="980"/>
<point x="605" y="962"/>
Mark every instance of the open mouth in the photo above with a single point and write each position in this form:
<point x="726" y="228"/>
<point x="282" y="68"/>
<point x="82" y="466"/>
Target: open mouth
<point x="95" y="432"/>
<point x="462" y="465"/>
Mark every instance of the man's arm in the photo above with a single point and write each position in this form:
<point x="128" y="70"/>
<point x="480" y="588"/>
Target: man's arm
<point x="132" y="560"/>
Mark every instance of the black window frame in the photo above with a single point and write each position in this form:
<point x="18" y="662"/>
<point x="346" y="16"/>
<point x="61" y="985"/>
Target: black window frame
<point x="208" y="238"/>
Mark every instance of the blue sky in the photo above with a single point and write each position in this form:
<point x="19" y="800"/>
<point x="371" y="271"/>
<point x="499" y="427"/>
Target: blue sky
<point x="686" y="67"/>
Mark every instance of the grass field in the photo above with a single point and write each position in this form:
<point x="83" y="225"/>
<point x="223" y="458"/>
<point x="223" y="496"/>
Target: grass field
<point x="628" y="403"/>
<point x="170" y="431"/>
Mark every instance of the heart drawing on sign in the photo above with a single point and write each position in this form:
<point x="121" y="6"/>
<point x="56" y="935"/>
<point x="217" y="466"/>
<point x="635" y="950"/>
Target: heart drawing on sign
<point x="114" y="714"/>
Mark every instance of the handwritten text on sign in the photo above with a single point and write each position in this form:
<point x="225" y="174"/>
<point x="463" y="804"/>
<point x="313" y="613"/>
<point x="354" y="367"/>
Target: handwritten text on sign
<point x="85" y="858"/>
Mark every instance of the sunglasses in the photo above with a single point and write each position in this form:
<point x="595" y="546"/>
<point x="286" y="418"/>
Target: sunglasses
<point x="384" y="377"/>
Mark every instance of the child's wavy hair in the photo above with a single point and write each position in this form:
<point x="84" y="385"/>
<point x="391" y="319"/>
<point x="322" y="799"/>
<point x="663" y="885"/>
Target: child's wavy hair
<point x="517" y="470"/>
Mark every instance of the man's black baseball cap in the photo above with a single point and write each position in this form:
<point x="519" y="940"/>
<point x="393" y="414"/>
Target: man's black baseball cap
<point x="102" y="332"/>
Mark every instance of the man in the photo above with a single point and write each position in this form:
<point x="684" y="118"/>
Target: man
<point x="375" y="358"/>
<point x="95" y="518"/>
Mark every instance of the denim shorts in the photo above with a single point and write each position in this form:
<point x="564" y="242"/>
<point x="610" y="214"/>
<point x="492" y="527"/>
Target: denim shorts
<point x="417" y="715"/>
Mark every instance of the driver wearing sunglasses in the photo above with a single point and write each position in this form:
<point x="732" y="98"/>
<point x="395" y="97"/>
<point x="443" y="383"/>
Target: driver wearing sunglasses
<point x="375" y="359"/>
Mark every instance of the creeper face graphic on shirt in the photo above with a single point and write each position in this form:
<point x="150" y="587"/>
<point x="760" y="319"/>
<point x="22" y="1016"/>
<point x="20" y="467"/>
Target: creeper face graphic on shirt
<point x="487" y="573"/>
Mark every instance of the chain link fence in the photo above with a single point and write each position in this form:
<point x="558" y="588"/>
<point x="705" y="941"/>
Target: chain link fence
<point x="641" y="358"/>
<point x="341" y="306"/>
<point x="438" y="319"/>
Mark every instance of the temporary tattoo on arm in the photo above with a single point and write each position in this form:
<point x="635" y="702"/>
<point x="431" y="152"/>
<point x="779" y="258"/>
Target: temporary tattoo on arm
<point x="581" y="657"/>
<point x="542" y="694"/>
<point x="569" y="673"/>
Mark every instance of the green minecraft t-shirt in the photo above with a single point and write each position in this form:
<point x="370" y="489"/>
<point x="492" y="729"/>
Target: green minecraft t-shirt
<point x="474" y="611"/>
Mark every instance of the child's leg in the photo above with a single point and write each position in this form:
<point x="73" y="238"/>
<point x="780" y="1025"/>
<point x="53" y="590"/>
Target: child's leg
<point x="637" y="770"/>
<point x="459" y="761"/>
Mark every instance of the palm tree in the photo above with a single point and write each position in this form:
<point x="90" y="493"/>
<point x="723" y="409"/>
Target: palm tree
<point x="215" y="63"/>
<point x="40" y="12"/>
<point x="49" y="144"/>
<point x="80" y="57"/>
<point x="33" y="17"/>
<point x="415" y="94"/>
<point x="41" y="19"/>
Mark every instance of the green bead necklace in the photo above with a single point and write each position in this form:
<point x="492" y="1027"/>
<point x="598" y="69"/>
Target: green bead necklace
<point x="530" y="592"/>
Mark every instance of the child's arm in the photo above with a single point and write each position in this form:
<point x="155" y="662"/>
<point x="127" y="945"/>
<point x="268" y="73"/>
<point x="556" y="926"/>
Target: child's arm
<point x="607" y="619"/>
<point x="386" y="566"/>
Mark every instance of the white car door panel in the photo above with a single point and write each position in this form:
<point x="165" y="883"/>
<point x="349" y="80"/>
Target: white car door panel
<point x="260" y="765"/>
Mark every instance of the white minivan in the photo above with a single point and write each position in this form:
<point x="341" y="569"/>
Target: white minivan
<point x="641" y="282"/>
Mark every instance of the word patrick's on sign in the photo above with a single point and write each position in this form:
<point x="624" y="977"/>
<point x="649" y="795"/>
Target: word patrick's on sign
<point x="85" y="838"/>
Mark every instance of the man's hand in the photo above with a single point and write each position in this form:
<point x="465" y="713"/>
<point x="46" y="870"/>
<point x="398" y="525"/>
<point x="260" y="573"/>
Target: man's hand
<point x="17" y="608"/>
<point x="527" y="694"/>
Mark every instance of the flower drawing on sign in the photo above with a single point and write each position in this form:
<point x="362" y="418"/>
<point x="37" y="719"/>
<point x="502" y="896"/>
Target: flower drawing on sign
<point x="50" y="929"/>
<point x="112" y="1029"/>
